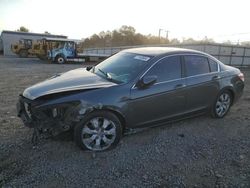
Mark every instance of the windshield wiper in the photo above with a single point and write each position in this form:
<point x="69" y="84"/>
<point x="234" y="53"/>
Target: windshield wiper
<point x="107" y="75"/>
<point x="103" y="72"/>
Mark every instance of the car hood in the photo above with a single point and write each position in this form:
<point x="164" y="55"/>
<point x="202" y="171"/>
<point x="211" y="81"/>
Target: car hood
<point x="78" y="79"/>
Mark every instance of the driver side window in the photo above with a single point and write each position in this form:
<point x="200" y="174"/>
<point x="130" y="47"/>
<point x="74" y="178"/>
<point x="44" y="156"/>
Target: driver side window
<point x="166" y="69"/>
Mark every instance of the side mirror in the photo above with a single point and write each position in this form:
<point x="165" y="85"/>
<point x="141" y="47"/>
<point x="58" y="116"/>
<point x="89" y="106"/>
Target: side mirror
<point x="146" y="81"/>
<point x="88" y="68"/>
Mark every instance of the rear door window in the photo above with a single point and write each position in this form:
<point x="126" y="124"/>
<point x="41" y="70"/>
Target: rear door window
<point x="196" y="65"/>
<point x="166" y="69"/>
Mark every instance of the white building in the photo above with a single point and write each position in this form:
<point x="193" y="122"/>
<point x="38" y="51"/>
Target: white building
<point x="11" y="37"/>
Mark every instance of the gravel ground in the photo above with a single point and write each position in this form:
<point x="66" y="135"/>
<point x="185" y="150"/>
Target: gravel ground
<point x="198" y="152"/>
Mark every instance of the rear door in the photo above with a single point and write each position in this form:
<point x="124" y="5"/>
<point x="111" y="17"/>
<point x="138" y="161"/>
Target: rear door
<point x="202" y="81"/>
<point x="163" y="99"/>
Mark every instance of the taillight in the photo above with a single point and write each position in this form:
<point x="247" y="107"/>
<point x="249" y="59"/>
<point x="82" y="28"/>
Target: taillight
<point x="241" y="76"/>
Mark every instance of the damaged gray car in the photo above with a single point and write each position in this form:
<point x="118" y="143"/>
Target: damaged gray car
<point x="134" y="88"/>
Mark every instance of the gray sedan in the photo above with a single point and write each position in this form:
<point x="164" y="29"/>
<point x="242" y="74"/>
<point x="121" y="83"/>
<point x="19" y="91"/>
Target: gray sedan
<point x="135" y="88"/>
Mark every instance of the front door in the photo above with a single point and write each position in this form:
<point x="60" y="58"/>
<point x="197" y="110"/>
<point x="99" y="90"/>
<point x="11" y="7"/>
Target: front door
<point x="163" y="99"/>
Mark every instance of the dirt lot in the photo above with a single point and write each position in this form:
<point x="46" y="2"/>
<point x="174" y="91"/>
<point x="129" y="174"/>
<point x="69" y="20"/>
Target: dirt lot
<point x="199" y="152"/>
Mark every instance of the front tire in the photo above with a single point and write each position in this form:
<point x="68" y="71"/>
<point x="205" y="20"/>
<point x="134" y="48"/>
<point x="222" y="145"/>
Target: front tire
<point x="222" y="104"/>
<point x="60" y="60"/>
<point x="98" y="131"/>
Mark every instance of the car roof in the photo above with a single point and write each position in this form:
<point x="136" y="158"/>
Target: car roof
<point x="157" y="51"/>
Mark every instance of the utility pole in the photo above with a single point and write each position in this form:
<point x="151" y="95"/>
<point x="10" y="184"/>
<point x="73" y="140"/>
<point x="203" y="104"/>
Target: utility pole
<point x="167" y="34"/>
<point x="160" y="34"/>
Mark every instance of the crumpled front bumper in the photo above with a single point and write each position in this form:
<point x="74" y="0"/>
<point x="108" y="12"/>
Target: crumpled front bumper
<point x="55" y="118"/>
<point x="23" y="113"/>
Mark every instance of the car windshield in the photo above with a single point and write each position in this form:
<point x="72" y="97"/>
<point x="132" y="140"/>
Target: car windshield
<point x="122" y="67"/>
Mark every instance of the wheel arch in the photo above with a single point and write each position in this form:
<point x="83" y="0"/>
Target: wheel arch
<point x="120" y="117"/>
<point x="60" y="55"/>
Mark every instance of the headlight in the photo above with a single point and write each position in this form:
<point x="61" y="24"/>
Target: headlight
<point x="27" y="109"/>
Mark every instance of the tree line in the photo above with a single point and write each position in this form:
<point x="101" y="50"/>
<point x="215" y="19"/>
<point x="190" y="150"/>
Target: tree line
<point x="127" y="36"/>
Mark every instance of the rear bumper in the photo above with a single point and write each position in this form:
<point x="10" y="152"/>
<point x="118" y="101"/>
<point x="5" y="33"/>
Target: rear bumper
<point x="239" y="88"/>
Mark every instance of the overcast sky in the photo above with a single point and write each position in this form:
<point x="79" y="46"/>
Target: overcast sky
<point x="219" y="19"/>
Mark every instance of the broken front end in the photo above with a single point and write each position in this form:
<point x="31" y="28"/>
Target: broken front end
<point x="49" y="119"/>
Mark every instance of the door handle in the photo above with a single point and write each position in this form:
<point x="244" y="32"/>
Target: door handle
<point x="215" y="77"/>
<point x="180" y="86"/>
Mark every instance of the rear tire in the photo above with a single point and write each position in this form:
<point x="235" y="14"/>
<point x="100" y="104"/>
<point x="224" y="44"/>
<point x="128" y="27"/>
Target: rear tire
<point x="222" y="104"/>
<point x="98" y="131"/>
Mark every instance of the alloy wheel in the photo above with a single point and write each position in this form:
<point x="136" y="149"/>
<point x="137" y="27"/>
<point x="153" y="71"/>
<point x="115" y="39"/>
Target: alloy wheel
<point x="223" y="104"/>
<point x="98" y="133"/>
